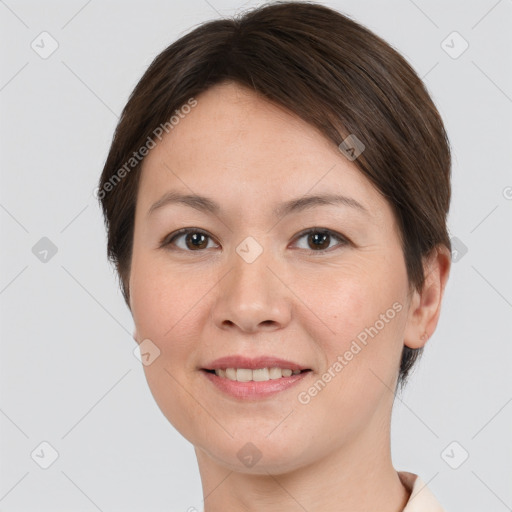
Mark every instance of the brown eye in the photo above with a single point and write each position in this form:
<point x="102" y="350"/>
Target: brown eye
<point x="195" y="240"/>
<point x="319" y="240"/>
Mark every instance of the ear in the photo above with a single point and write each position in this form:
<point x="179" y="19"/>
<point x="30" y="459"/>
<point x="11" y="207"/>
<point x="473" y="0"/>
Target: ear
<point x="425" y="306"/>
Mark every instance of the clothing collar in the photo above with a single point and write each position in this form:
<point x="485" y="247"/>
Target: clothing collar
<point x="421" y="498"/>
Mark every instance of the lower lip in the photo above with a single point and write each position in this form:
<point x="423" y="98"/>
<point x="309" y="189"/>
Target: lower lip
<point x="254" y="389"/>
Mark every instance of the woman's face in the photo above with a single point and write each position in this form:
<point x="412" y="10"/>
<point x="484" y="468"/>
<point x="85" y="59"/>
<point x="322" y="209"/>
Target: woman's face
<point x="247" y="281"/>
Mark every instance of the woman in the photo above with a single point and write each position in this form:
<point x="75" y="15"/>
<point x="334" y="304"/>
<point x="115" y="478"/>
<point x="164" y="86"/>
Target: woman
<point x="276" y="197"/>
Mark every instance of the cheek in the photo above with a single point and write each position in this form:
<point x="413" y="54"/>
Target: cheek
<point x="361" y="317"/>
<point x="161" y="297"/>
<point x="350" y="297"/>
<point x="163" y="312"/>
<point x="161" y="309"/>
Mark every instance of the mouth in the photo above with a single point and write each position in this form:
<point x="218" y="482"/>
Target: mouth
<point x="254" y="375"/>
<point x="251" y="389"/>
<point x="252" y="379"/>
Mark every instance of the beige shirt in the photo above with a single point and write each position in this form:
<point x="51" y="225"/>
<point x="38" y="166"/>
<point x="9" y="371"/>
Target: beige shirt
<point x="421" y="499"/>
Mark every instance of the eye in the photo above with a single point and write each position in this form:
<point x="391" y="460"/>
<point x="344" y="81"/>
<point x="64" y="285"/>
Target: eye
<point x="320" y="239"/>
<point x="194" y="239"/>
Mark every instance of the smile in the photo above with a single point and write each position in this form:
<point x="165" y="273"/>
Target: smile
<point x="246" y="384"/>
<point x="257" y="375"/>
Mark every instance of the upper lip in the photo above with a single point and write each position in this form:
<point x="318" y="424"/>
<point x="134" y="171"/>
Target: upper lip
<point x="253" y="363"/>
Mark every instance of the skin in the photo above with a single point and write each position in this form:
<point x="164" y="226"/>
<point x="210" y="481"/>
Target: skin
<point x="196" y="305"/>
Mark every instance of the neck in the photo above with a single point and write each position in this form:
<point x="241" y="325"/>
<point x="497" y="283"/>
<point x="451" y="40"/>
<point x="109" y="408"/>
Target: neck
<point x="358" y="476"/>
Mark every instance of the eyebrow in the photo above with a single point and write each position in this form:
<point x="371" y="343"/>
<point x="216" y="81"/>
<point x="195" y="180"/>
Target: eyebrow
<point x="205" y="204"/>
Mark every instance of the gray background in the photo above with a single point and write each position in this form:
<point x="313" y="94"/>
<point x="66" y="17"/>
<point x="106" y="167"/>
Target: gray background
<point x="68" y="373"/>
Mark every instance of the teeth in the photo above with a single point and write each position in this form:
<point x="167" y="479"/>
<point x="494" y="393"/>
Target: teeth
<point x="243" y="375"/>
<point x="275" y="373"/>
<point x="258" y="375"/>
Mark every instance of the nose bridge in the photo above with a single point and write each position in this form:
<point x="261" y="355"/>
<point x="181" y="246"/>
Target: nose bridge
<point x="251" y="296"/>
<point x="251" y="275"/>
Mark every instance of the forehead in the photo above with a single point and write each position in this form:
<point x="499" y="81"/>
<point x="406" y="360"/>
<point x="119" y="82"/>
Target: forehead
<point x="230" y="119"/>
<point x="234" y="143"/>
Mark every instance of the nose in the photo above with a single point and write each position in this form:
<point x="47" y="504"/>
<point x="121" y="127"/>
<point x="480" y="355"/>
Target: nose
<point x="251" y="297"/>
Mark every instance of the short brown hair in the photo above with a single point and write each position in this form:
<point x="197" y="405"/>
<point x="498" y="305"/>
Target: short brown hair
<point x="332" y="72"/>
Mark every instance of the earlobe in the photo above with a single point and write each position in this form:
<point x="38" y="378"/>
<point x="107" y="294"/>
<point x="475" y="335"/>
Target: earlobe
<point x="425" y="307"/>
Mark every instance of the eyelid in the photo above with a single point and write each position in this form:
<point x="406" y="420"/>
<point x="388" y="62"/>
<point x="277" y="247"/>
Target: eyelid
<point x="343" y="240"/>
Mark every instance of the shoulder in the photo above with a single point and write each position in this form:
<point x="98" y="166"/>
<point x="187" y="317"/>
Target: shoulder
<point x="421" y="498"/>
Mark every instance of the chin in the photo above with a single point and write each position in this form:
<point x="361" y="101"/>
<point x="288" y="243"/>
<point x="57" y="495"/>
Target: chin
<point x="253" y="452"/>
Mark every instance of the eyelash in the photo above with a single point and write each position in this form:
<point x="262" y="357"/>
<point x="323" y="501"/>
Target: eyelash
<point x="170" y="239"/>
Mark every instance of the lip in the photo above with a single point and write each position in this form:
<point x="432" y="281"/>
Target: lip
<point x="253" y="390"/>
<point x="238" y="361"/>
